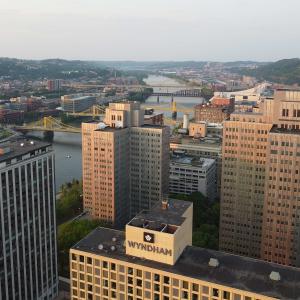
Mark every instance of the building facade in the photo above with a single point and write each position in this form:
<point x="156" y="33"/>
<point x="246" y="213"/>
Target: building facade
<point x="281" y="227"/>
<point x="154" y="260"/>
<point x="212" y="113"/>
<point x="188" y="175"/>
<point x="205" y="148"/>
<point x="77" y="102"/>
<point x="260" y="181"/>
<point x="125" y="164"/>
<point x="28" y="251"/>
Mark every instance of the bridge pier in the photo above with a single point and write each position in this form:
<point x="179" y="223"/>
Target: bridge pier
<point x="48" y="135"/>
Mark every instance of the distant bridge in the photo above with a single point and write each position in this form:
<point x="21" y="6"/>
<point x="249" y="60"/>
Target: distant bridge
<point x="48" y="124"/>
<point x="181" y="93"/>
<point x="54" y="125"/>
<point x="94" y="111"/>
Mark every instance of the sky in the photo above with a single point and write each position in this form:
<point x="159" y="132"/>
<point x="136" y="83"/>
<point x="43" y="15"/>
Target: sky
<point x="214" y="30"/>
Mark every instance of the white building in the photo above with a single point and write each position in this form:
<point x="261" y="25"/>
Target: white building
<point x="188" y="175"/>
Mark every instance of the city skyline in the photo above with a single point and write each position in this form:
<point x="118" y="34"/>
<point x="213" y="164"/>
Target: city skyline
<point x="107" y="30"/>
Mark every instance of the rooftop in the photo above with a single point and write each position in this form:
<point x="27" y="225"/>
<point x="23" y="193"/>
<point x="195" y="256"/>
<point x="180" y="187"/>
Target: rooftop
<point x="17" y="148"/>
<point x="193" y="161"/>
<point x="160" y="219"/>
<point x="233" y="271"/>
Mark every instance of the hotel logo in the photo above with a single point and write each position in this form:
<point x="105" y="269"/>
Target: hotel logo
<point x="148" y="237"/>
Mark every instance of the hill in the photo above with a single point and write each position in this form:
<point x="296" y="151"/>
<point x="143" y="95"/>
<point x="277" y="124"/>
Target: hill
<point x="285" y="71"/>
<point x="19" y="69"/>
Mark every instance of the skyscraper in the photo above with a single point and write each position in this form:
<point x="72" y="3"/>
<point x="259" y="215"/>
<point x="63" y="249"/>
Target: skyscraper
<point x="281" y="215"/>
<point x="260" y="181"/>
<point x="125" y="163"/>
<point x="28" y="252"/>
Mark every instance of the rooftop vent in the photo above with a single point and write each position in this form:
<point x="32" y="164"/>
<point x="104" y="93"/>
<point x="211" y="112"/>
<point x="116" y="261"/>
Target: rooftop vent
<point x="213" y="262"/>
<point x="100" y="247"/>
<point x="32" y="142"/>
<point x="274" y="276"/>
<point x="22" y="144"/>
<point x="114" y="239"/>
<point x="113" y="248"/>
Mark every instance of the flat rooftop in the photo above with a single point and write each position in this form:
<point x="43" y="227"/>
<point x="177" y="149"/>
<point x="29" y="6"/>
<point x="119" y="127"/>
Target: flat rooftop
<point x="20" y="147"/>
<point x="160" y="219"/>
<point x="234" y="271"/>
<point x="203" y="142"/>
<point x="193" y="161"/>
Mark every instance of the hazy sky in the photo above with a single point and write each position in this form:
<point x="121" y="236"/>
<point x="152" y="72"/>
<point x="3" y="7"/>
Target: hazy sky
<point x="150" y="29"/>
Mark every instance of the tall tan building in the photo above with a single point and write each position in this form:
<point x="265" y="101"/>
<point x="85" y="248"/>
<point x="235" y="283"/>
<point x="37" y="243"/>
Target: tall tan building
<point x="125" y="164"/>
<point x="260" y="184"/>
<point x="154" y="260"/>
<point x="281" y="222"/>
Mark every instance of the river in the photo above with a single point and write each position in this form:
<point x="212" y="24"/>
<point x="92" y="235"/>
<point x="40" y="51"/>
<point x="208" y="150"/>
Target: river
<point x="67" y="146"/>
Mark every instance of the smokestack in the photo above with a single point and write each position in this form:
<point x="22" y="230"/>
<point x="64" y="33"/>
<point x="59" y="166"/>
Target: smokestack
<point x="186" y="121"/>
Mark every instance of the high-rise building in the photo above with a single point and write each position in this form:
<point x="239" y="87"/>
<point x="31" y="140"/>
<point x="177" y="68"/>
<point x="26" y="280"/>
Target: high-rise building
<point x="154" y="260"/>
<point x="281" y="214"/>
<point x="260" y="181"/>
<point x="244" y="158"/>
<point x="54" y="85"/>
<point x="125" y="163"/>
<point x="28" y="251"/>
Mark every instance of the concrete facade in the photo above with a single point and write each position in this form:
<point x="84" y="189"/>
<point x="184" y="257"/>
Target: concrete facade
<point x="260" y="181"/>
<point x="125" y="164"/>
<point x="28" y="250"/>
<point x="154" y="260"/>
<point x="188" y="175"/>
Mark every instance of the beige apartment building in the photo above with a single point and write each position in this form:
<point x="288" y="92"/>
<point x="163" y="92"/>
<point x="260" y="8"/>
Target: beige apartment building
<point x="154" y="259"/>
<point x="260" y="181"/>
<point x="125" y="164"/>
<point x="281" y="222"/>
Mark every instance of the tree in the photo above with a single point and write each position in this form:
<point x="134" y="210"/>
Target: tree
<point x="70" y="202"/>
<point x="68" y="235"/>
<point x="205" y="219"/>
<point x="206" y="236"/>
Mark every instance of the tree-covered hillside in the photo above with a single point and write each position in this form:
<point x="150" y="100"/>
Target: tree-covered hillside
<point x="51" y="68"/>
<point x="285" y="71"/>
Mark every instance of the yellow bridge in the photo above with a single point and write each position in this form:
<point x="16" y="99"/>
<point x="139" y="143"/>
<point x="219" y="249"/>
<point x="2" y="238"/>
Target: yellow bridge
<point x="49" y="124"/>
<point x="94" y="111"/>
<point x="53" y="124"/>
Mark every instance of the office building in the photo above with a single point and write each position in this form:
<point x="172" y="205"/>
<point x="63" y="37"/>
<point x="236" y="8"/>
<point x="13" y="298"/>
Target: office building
<point x="260" y="181"/>
<point x="125" y="163"/>
<point x="281" y="214"/>
<point x="202" y="148"/>
<point x="77" y="102"/>
<point x="212" y="113"/>
<point x="28" y="252"/>
<point x="54" y="85"/>
<point x="189" y="174"/>
<point x="154" y="259"/>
